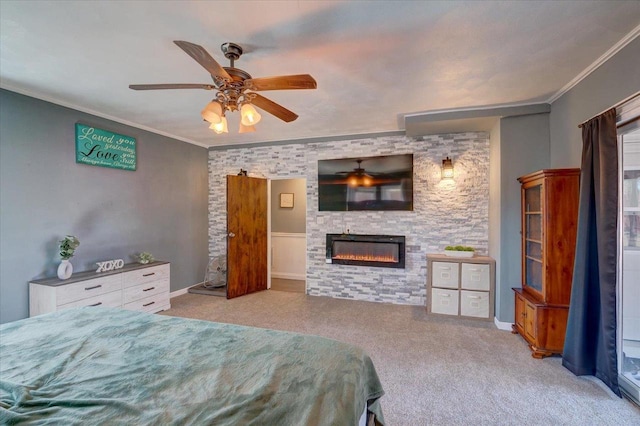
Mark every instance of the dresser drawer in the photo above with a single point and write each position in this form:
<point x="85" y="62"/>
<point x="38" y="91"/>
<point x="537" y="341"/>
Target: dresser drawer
<point x="141" y="291"/>
<point x="145" y="275"/>
<point x="444" y="301"/>
<point x="153" y="303"/>
<point x="81" y="290"/>
<point x="475" y="277"/>
<point x="474" y="304"/>
<point x="444" y="274"/>
<point x="110" y="300"/>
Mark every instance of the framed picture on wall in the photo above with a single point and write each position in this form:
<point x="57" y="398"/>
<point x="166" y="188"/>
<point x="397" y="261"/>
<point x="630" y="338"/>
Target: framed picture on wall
<point x="286" y="199"/>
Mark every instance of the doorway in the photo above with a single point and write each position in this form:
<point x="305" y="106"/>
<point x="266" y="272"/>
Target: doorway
<point x="629" y="282"/>
<point x="288" y="233"/>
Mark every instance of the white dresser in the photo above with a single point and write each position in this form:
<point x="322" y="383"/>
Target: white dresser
<point x="135" y="286"/>
<point x="462" y="287"/>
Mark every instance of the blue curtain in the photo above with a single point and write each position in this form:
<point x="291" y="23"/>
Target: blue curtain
<point x="590" y="340"/>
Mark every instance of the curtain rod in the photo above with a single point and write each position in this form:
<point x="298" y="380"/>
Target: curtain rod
<point x="622" y="102"/>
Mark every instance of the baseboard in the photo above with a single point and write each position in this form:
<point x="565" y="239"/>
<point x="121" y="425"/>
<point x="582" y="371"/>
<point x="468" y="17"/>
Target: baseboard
<point x="506" y="326"/>
<point x="288" y="276"/>
<point x="181" y="291"/>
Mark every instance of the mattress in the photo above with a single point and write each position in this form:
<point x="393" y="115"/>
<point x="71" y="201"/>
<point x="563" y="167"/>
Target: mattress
<point x="96" y="365"/>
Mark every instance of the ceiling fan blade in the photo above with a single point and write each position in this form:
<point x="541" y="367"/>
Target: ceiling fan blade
<point x="273" y="108"/>
<point x="171" y="86"/>
<point x="283" y="82"/>
<point x="202" y="57"/>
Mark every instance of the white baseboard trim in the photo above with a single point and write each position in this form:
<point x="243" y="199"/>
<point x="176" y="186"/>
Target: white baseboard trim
<point x="288" y="276"/>
<point x="181" y="291"/>
<point x="506" y="326"/>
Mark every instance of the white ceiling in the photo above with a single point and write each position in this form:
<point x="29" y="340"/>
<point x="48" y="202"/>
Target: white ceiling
<point x="373" y="60"/>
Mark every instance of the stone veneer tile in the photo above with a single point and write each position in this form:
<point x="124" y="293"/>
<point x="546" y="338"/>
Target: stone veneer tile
<point x="444" y="212"/>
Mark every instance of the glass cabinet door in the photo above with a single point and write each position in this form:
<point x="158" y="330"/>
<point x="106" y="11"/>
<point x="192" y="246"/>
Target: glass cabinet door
<point x="533" y="237"/>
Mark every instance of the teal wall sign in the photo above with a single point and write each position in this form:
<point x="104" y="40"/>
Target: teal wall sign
<point x="98" y="147"/>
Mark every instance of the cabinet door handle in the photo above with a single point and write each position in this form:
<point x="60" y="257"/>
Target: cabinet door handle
<point x="149" y="304"/>
<point x="96" y="304"/>
<point x="93" y="288"/>
<point x="147" y="289"/>
<point x="148" y="275"/>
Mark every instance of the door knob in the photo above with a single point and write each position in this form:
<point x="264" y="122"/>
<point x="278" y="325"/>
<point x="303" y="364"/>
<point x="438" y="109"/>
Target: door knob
<point x="231" y="235"/>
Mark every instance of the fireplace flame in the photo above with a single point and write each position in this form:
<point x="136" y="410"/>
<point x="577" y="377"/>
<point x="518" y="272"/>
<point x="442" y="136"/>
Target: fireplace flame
<point x="366" y="258"/>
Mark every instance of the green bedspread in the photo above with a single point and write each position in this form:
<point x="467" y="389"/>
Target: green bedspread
<point x="110" y="366"/>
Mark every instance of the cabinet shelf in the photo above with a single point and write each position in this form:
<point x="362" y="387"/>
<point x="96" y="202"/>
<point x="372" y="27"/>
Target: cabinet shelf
<point x="549" y="204"/>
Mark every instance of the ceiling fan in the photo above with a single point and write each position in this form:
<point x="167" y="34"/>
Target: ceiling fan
<point x="359" y="176"/>
<point x="235" y="89"/>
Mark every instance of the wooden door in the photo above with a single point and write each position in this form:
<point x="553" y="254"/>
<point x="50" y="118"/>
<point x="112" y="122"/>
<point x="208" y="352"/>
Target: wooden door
<point x="246" y="235"/>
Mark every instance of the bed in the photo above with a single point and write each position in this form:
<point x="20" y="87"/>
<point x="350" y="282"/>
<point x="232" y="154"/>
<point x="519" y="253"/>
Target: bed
<point x="104" y="365"/>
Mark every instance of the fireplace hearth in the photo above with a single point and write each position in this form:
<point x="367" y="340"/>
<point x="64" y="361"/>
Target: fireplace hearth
<point x="385" y="251"/>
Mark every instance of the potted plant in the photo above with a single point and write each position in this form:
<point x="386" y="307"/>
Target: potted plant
<point x="459" y="251"/>
<point x="68" y="246"/>
<point x="145" y="258"/>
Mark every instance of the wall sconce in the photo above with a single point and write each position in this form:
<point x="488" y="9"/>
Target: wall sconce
<point x="447" y="168"/>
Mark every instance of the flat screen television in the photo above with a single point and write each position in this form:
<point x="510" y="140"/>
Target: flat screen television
<point x="366" y="183"/>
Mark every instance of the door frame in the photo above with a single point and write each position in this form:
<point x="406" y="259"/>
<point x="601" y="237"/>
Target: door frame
<point x="306" y="220"/>
<point x="628" y="120"/>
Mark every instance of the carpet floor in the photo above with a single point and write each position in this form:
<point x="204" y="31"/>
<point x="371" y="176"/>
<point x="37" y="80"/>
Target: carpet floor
<point x="435" y="371"/>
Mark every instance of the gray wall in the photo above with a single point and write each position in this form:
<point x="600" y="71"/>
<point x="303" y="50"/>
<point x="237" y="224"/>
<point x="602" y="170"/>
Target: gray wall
<point x="289" y="219"/>
<point x="160" y="208"/>
<point x="524" y="148"/>
<point x="495" y="164"/>
<point x="612" y="82"/>
<point x="534" y="142"/>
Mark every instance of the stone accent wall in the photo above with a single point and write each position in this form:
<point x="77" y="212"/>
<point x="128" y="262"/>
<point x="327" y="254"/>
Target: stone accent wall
<point x="445" y="212"/>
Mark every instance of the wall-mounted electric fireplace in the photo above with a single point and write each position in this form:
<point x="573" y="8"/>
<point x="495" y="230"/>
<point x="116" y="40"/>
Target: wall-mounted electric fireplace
<point x="386" y="251"/>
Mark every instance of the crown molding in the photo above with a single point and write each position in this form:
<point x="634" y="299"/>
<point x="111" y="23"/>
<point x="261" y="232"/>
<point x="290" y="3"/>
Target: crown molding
<point x="601" y="60"/>
<point x="97" y="114"/>
<point x="320" y="139"/>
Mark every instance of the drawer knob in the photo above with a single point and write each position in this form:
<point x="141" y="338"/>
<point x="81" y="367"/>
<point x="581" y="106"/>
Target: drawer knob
<point x="473" y="297"/>
<point x="147" y="289"/>
<point x="445" y="295"/>
<point x="148" y="275"/>
<point x="149" y="304"/>
<point x="93" y="288"/>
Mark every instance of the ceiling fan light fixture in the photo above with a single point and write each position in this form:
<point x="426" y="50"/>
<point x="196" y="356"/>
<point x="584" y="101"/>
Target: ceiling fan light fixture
<point x="246" y="129"/>
<point x="212" y="112"/>
<point x="357" y="180"/>
<point x="235" y="89"/>
<point x="249" y="115"/>
<point x="220" y="127"/>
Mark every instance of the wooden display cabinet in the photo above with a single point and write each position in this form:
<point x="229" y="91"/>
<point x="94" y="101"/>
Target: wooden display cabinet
<point x="549" y="220"/>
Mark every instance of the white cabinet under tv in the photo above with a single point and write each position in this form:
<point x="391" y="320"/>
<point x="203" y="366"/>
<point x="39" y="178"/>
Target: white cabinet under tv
<point x="462" y="287"/>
